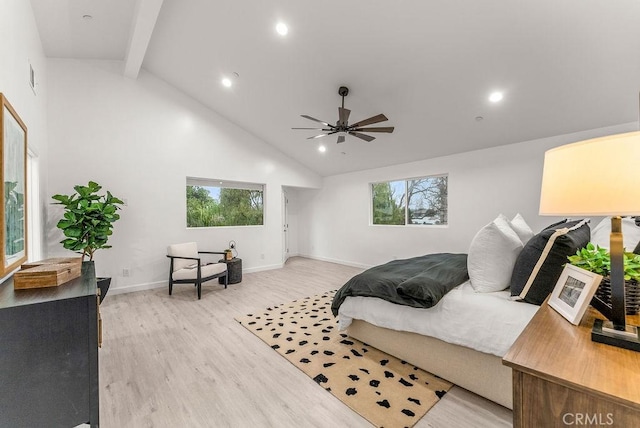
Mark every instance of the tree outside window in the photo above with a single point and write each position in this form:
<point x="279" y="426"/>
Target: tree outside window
<point x="388" y="202"/>
<point x="226" y="204"/>
<point x="419" y="201"/>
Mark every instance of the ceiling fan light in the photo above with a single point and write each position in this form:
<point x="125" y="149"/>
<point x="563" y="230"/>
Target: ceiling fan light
<point x="322" y="148"/>
<point x="226" y="82"/>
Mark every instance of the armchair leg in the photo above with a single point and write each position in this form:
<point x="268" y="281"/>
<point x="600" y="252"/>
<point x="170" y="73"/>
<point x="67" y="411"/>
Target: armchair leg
<point x="199" y="290"/>
<point x="170" y="277"/>
<point x="226" y="279"/>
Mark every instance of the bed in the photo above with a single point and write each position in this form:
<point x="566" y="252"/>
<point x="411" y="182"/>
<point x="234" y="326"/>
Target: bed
<point x="461" y="321"/>
<point x="462" y="338"/>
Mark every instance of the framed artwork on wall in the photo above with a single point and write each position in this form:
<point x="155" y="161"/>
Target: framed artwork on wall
<point x="13" y="179"/>
<point x="573" y="292"/>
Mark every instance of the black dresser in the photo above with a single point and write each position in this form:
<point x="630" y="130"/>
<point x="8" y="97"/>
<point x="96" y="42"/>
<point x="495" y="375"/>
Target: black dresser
<point x="49" y="354"/>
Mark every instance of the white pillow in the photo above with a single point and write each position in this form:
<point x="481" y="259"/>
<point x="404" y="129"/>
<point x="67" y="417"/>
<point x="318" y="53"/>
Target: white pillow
<point x="492" y="256"/>
<point x="600" y="235"/>
<point x="521" y="228"/>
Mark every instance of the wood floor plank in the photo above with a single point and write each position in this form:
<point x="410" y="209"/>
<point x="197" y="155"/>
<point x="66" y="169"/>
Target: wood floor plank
<point x="171" y="361"/>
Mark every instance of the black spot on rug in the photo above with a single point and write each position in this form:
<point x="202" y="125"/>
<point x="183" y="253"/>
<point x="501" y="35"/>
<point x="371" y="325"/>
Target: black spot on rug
<point x="369" y="381"/>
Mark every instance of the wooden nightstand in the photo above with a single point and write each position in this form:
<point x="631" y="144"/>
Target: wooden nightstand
<point x="562" y="378"/>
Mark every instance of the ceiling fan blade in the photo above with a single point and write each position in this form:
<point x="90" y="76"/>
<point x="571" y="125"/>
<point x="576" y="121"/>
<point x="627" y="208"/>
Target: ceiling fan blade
<point x="364" y="137"/>
<point x="340" y="139"/>
<point x="315" y="129"/>
<point x="317" y="120"/>
<point x="375" y="129"/>
<point x="321" y="135"/>
<point x="369" y="121"/>
<point x="343" y="115"/>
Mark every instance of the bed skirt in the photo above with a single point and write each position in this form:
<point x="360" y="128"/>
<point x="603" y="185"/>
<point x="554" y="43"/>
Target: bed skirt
<point x="476" y="371"/>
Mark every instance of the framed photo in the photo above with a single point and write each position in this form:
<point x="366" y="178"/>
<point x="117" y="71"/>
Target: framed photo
<point x="13" y="180"/>
<point x="573" y="292"/>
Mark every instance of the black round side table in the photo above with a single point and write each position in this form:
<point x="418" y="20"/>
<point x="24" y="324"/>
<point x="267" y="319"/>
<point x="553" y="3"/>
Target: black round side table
<point x="234" y="270"/>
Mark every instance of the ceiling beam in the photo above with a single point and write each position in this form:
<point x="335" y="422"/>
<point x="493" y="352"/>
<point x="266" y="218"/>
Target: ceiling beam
<point x="144" y="21"/>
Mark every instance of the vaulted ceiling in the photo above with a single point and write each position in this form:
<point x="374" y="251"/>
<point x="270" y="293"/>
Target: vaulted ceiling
<point x="429" y="66"/>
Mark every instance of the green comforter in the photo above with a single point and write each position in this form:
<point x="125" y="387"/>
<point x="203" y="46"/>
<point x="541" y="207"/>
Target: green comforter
<point x="419" y="282"/>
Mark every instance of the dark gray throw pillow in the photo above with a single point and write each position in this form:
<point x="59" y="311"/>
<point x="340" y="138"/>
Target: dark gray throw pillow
<point x="542" y="259"/>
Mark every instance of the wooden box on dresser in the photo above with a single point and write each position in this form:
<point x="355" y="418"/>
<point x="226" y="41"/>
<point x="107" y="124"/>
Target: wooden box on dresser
<point x="562" y="378"/>
<point x="49" y="354"/>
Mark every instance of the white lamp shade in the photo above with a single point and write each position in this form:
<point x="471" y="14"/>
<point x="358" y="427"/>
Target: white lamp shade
<point x="598" y="177"/>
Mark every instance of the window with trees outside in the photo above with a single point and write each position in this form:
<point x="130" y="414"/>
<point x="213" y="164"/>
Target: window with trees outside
<point x="212" y="203"/>
<point x="419" y="201"/>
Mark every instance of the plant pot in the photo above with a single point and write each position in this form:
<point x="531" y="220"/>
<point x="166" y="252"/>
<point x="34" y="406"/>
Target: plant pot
<point x="103" y="285"/>
<point x="631" y="294"/>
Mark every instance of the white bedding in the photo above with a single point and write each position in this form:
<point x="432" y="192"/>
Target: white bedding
<point x="487" y="322"/>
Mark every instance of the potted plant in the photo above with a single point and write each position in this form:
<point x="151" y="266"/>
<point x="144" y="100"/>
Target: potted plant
<point x="596" y="259"/>
<point x="88" y="221"/>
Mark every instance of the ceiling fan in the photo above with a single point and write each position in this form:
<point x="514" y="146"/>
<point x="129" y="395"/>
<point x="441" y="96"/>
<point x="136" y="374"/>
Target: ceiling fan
<point x="342" y="125"/>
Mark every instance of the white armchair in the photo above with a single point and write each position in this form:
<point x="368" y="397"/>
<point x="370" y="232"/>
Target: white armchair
<point x="187" y="266"/>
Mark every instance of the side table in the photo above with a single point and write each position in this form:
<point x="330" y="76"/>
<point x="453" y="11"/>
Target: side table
<point x="562" y="378"/>
<point x="234" y="270"/>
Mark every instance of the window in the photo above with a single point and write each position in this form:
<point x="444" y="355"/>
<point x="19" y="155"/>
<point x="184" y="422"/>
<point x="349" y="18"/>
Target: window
<point x="212" y="203"/>
<point x="421" y="201"/>
<point x="34" y="242"/>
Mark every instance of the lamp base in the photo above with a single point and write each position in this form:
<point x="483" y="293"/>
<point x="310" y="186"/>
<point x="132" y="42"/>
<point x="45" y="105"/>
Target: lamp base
<point x="604" y="332"/>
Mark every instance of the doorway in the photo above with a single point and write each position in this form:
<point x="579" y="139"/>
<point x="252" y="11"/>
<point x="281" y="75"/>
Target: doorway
<point x="285" y="226"/>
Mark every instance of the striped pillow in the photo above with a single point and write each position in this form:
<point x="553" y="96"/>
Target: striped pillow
<point x="542" y="260"/>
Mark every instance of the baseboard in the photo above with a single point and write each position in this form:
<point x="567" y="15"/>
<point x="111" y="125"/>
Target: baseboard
<point x="138" y="287"/>
<point x="261" y="268"/>
<point x="160" y="284"/>
<point x="340" y="262"/>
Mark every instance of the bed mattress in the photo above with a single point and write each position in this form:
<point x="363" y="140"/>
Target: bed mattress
<point x="486" y="322"/>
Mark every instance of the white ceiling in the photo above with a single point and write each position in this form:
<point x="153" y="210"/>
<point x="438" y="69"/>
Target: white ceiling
<point x="429" y="66"/>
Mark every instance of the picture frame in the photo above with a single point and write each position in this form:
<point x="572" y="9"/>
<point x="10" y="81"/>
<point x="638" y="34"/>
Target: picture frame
<point x="573" y="292"/>
<point x="13" y="181"/>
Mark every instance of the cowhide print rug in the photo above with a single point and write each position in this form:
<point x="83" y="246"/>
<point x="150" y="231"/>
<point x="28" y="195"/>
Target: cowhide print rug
<point x="384" y="390"/>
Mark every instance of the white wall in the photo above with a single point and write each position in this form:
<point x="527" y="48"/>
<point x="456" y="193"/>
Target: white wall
<point x="482" y="184"/>
<point x="20" y="46"/>
<point x="140" y="139"/>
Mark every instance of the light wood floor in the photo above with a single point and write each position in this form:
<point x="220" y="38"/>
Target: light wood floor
<point x="174" y="361"/>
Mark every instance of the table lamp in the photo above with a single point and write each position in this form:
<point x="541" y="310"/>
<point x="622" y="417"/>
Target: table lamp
<point x="599" y="177"/>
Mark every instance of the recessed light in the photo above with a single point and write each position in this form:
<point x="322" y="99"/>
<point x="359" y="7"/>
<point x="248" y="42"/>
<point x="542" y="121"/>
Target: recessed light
<point x="495" y="97"/>
<point x="322" y="149"/>
<point x="87" y="17"/>
<point x="479" y="118"/>
<point x="282" y="28"/>
<point x="227" y="82"/>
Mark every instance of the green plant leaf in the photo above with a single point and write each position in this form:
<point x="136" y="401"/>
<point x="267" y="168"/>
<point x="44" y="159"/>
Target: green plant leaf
<point x="63" y="224"/>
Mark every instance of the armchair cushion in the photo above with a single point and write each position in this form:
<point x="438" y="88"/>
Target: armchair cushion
<point x="205" y="271"/>
<point x="188" y="249"/>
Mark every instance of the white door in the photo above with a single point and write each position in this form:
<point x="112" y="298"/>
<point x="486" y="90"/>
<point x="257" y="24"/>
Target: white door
<point x="285" y="227"/>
